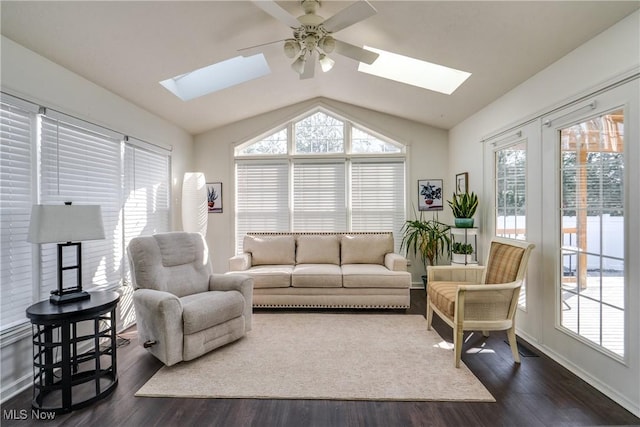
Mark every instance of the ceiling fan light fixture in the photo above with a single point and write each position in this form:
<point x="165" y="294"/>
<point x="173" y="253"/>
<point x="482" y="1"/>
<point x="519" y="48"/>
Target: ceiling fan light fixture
<point x="298" y="64"/>
<point x="291" y="48"/>
<point x="326" y="63"/>
<point x="327" y="44"/>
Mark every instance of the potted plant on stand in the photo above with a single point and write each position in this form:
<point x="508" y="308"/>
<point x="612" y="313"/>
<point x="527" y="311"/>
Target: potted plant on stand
<point x="460" y="253"/>
<point x="427" y="238"/>
<point x="464" y="206"/>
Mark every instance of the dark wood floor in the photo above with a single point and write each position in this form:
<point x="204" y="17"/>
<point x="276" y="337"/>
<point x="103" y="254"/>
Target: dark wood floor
<point x="536" y="393"/>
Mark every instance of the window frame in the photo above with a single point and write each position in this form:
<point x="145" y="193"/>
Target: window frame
<point x="293" y="158"/>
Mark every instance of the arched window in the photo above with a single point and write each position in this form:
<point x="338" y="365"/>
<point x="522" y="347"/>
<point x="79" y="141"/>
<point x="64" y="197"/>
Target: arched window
<point x="320" y="172"/>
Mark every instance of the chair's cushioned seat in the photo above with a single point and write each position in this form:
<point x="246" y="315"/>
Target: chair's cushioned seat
<point x="374" y="276"/>
<point x="207" y="309"/>
<point x="443" y="296"/>
<point x="316" y="276"/>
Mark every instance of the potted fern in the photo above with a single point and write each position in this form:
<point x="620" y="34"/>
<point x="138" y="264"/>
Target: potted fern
<point x="464" y="206"/>
<point x="428" y="239"/>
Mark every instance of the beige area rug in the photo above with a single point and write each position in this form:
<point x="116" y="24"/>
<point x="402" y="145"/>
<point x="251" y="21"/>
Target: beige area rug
<point x="326" y="356"/>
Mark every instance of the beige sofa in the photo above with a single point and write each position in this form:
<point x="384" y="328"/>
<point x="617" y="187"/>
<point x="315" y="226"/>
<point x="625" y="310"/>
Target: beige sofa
<point x="350" y="270"/>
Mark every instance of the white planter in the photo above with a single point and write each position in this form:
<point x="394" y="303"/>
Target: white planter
<point x="463" y="259"/>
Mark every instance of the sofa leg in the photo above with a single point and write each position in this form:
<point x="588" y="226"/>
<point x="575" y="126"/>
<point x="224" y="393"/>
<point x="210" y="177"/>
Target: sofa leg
<point x="149" y="343"/>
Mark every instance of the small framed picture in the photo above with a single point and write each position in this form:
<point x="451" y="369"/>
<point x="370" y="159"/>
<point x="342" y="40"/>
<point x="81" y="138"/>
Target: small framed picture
<point x="214" y="197"/>
<point x="462" y="183"/>
<point x="430" y="194"/>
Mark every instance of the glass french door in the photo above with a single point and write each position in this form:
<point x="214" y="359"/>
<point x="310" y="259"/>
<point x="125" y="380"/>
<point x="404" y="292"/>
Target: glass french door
<point x="591" y="237"/>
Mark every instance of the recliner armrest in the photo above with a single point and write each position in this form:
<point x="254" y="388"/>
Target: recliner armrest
<point x="236" y="282"/>
<point x="159" y="318"/>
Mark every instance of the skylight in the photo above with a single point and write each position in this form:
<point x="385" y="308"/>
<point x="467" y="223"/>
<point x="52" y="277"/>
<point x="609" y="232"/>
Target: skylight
<point x="414" y="72"/>
<point x="217" y="76"/>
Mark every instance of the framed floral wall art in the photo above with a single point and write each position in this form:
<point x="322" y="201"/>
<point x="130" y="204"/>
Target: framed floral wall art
<point x="214" y="197"/>
<point x="430" y="194"/>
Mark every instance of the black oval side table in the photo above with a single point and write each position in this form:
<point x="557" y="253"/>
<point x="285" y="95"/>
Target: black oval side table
<point x="63" y="379"/>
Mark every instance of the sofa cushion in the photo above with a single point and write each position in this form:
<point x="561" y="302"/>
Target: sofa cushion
<point x="317" y="249"/>
<point x="270" y="250"/>
<point x="365" y="248"/>
<point x="207" y="309"/>
<point x="269" y="276"/>
<point x="316" y="276"/>
<point x="373" y="276"/>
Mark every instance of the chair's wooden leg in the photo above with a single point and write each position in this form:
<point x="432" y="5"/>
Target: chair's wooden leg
<point x="458" y="339"/>
<point x="511" y="334"/>
<point x="429" y="314"/>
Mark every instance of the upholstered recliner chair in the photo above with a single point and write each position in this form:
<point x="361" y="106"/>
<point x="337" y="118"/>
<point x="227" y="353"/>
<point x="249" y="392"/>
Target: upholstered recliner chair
<point x="183" y="310"/>
<point x="474" y="298"/>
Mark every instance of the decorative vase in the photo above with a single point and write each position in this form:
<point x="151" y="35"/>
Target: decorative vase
<point x="463" y="222"/>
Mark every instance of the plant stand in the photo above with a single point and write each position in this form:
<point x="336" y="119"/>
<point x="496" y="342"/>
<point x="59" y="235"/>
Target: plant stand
<point x="467" y="236"/>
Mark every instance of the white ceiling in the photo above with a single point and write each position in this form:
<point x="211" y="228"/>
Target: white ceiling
<point x="128" y="47"/>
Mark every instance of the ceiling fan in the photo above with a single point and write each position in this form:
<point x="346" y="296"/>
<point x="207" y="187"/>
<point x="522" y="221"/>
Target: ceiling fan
<point x="313" y="35"/>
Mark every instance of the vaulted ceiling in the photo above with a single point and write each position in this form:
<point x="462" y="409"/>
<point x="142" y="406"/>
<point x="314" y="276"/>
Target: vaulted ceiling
<point x="128" y="47"/>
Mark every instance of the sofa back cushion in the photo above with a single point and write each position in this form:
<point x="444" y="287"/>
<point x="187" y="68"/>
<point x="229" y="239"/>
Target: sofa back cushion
<point x="365" y="248"/>
<point x="318" y="249"/>
<point x="270" y="250"/>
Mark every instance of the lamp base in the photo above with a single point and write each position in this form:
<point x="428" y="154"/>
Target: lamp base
<point x="69" y="297"/>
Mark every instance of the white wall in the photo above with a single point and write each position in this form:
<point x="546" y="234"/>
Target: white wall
<point x="428" y="154"/>
<point x="28" y="75"/>
<point x="602" y="60"/>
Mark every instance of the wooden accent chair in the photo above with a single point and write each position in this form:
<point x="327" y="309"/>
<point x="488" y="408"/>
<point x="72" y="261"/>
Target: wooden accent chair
<point x="472" y="298"/>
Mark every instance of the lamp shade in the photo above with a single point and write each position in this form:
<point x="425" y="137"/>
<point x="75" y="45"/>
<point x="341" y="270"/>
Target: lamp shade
<point x="194" y="203"/>
<point x="65" y="223"/>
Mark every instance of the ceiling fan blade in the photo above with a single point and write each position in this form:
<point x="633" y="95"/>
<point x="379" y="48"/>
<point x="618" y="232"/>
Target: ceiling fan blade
<point x="261" y="45"/>
<point x="273" y="9"/>
<point x="354" y="52"/>
<point x="357" y="12"/>
<point x="309" y="67"/>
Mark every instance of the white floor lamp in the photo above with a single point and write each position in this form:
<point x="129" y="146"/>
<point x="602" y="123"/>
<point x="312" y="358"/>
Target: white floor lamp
<point x="194" y="203"/>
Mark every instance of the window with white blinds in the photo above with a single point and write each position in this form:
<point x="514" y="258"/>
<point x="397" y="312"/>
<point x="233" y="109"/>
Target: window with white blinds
<point x="51" y="158"/>
<point x="146" y="195"/>
<point x="378" y="196"/>
<point x="83" y="167"/>
<point x="262" y="197"/>
<point x="332" y="177"/>
<point x="17" y="131"/>
<point x="319" y="196"/>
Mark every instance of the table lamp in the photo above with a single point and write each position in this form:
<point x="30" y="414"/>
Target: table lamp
<point x="67" y="225"/>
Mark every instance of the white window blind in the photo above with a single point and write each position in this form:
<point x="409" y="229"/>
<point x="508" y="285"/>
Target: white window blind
<point x="262" y="197"/>
<point x="16" y="196"/>
<point x="84" y="167"/>
<point x="378" y="196"/>
<point x="319" y="196"/>
<point x="146" y="194"/>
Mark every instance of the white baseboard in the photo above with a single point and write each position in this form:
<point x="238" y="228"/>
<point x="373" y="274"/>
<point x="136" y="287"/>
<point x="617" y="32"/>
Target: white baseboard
<point x="603" y="388"/>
